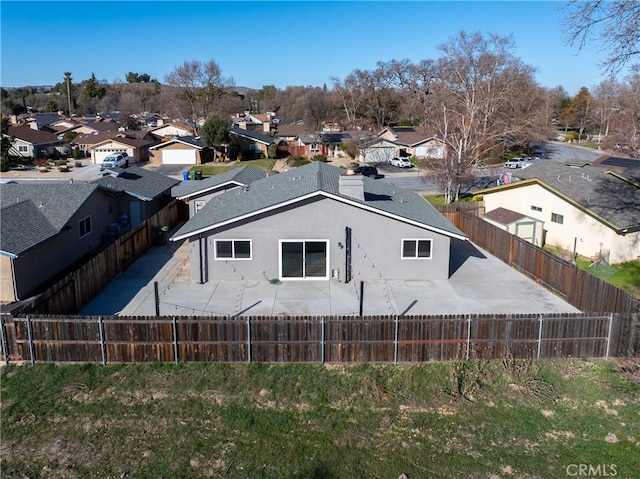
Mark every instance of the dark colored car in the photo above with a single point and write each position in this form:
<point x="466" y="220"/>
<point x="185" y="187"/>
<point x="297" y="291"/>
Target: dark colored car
<point x="370" y="171"/>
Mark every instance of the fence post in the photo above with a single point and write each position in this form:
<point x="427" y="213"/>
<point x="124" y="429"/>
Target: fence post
<point x="322" y="341"/>
<point x="5" y="344"/>
<point x="175" y="339"/>
<point x="609" y="335"/>
<point x="248" y="339"/>
<point x="468" y="335"/>
<point x="539" y="336"/>
<point x="395" y="342"/>
<point x="30" y="335"/>
<point x="102" y="345"/>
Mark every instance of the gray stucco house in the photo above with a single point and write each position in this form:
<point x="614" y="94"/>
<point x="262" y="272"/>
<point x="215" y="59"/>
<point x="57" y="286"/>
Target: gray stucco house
<point x="137" y="193"/>
<point x="318" y="222"/>
<point x="45" y="228"/>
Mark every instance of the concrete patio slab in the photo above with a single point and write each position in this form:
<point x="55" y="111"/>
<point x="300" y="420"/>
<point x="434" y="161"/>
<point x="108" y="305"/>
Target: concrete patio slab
<point x="479" y="284"/>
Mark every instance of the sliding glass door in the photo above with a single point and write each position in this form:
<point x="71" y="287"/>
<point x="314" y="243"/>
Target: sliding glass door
<point x="303" y="259"/>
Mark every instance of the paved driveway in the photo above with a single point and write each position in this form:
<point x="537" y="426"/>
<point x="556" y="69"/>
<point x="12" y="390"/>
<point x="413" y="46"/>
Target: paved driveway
<point x="479" y="283"/>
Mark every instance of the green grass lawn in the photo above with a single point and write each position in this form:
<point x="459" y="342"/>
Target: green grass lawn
<point x="521" y="419"/>
<point x="217" y="168"/>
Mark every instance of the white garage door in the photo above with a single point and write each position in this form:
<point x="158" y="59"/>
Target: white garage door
<point x="179" y="157"/>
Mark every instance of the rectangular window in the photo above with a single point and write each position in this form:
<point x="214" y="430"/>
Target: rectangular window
<point x="233" y="249"/>
<point x="416" y="248"/>
<point x="199" y="204"/>
<point x="22" y="148"/>
<point x="536" y="208"/>
<point x="556" y="218"/>
<point x="84" y="226"/>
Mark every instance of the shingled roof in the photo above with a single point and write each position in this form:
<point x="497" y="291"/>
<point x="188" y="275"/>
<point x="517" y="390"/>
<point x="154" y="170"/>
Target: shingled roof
<point x="34" y="212"/>
<point x="35" y="137"/>
<point x="138" y="182"/>
<point x="608" y="196"/>
<point x="316" y="179"/>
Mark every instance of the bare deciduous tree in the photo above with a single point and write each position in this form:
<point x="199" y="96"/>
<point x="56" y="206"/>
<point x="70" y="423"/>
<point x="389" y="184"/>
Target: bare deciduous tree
<point x="482" y="103"/>
<point x="200" y="84"/>
<point x="615" y="24"/>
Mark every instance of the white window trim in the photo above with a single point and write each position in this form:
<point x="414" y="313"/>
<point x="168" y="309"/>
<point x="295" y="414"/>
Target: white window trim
<point x="215" y="249"/>
<point x="430" y="240"/>
<point x="90" y="226"/>
<point x="300" y="240"/>
<point x="23" y="149"/>
<point x="557" y="216"/>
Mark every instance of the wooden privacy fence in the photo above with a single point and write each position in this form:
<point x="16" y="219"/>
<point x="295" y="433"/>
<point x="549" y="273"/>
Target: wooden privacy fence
<point x="72" y="292"/>
<point x="333" y="339"/>
<point x="579" y="288"/>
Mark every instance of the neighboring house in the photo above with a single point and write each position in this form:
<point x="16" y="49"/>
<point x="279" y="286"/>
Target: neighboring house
<point x="378" y="150"/>
<point x="198" y="193"/>
<point x="84" y="128"/>
<point x="46" y="228"/>
<point x="171" y="130"/>
<point x="137" y="193"/>
<point x="32" y="144"/>
<point x="318" y="222"/>
<point x="587" y="209"/>
<point x="39" y="121"/>
<point x="183" y="150"/>
<point x="136" y="148"/>
<point x="410" y="141"/>
<point x="249" y="144"/>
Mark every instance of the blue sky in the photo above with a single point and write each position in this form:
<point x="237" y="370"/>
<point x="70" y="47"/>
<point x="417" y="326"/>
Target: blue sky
<point x="270" y="42"/>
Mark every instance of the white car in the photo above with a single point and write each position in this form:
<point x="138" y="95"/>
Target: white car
<point x="514" y="163"/>
<point x="117" y="159"/>
<point x="401" y="162"/>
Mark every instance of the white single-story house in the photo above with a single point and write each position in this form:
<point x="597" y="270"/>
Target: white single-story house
<point x="586" y="208"/>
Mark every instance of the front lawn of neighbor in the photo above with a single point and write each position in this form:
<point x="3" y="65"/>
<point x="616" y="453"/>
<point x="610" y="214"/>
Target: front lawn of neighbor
<point x="218" y="168"/>
<point x="470" y="419"/>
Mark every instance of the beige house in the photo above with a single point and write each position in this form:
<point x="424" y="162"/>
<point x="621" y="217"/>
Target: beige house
<point x="411" y="141"/>
<point x="135" y="148"/>
<point x="186" y="150"/>
<point x="587" y="209"/>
